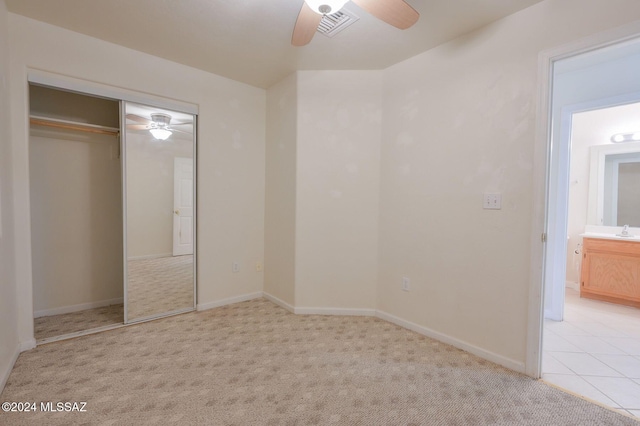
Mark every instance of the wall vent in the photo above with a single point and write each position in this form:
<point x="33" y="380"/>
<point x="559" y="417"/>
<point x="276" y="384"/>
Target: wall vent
<point x="334" y="23"/>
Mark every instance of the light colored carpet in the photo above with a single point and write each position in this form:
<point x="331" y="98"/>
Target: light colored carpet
<point x="156" y="286"/>
<point x="253" y="363"/>
<point x="159" y="285"/>
<point x="58" y="325"/>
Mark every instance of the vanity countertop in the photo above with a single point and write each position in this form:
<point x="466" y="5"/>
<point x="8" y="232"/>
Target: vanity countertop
<point x="635" y="238"/>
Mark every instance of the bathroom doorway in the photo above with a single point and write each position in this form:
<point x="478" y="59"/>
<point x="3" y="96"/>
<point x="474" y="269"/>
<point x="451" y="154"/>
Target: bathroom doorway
<point x="589" y="347"/>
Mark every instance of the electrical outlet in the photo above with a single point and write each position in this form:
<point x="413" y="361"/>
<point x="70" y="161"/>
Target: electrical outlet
<point x="492" y="201"/>
<point x="405" y="284"/>
<point x="258" y="266"/>
<point x="235" y="267"/>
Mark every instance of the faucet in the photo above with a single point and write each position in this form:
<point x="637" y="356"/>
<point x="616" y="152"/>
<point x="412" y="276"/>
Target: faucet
<point x="625" y="232"/>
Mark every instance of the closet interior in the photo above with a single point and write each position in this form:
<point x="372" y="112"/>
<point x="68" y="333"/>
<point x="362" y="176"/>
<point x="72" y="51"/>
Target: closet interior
<point x="112" y="212"/>
<point x="76" y="212"/>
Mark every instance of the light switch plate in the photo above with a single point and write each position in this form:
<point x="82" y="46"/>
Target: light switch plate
<point x="492" y="201"/>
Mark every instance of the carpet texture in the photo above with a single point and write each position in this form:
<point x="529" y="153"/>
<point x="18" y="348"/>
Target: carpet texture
<point x="254" y="363"/>
<point x="159" y="285"/>
<point x="58" y="325"/>
<point x="156" y="286"/>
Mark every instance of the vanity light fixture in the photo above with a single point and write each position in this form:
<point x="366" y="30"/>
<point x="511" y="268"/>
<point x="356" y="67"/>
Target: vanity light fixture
<point x="625" y="137"/>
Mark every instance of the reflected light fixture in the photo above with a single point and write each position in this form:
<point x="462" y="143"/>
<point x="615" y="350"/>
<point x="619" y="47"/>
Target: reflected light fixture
<point x="626" y="137"/>
<point x="160" y="126"/>
<point x="326" y="7"/>
<point x="160" y="134"/>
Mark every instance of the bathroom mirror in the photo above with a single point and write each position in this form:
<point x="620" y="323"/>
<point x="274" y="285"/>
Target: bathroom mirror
<point x="614" y="185"/>
<point x="159" y="183"/>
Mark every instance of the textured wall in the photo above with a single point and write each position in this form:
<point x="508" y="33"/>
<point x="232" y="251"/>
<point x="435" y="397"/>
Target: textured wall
<point x="280" y="204"/>
<point x="338" y="176"/>
<point x="458" y="121"/>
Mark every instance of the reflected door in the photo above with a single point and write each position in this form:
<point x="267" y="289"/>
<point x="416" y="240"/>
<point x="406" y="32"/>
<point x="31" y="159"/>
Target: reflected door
<point x="159" y="202"/>
<point x="183" y="206"/>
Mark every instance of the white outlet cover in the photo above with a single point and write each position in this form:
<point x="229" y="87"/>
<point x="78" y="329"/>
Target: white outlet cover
<point x="405" y="284"/>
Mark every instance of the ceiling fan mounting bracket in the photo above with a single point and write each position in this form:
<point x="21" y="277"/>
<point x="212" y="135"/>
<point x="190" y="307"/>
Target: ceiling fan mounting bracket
<point x="398" y="13"/>
<point x="160" y="120"/>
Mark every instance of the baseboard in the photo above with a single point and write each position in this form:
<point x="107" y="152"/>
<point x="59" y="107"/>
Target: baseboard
<point x="76" y="308"/>
<point x="150" y="256"/>
<point x="336" y="311"/>
<point x="6" y="370"/>
<point x="278" y="302"/>
<point x="482" y="353"/>
<point x="27" y="345"/>
<point x="229" y="301"/>
<point x="573" y="285"/>
<point x="490" y="356"/>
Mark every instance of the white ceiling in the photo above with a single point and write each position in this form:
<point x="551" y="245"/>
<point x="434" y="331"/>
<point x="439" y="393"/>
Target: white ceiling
<point x="250" y="40"/>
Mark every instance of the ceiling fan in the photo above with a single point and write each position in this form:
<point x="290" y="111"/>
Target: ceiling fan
<point x="394" y="12"/>
<point x="158" y="126"/>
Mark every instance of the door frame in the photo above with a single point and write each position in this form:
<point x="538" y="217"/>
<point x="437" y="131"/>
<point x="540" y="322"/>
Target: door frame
<point x="545" y="238"/>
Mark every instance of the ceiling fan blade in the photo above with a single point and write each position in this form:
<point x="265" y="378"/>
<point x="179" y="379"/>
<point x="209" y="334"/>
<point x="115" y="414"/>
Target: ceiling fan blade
<point x="138" y="119"/>
<point x="180" y="123"/>
<point x="185" y="127"/>
<point x="306" y="26"/>
<point x="173" y="129"/>
<point x="137" y="127"/>
<point x="394" y="12"/>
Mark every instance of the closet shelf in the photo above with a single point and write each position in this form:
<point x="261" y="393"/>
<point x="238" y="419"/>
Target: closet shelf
<point x="72" y="125"/>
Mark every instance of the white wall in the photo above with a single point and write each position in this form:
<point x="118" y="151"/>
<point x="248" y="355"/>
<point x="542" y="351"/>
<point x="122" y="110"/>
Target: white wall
<point x="150" y="192"/>
<point x="590" y="129"/>
<point x="230" y="151"/>
<point x="77" y="255"/>
<point x="280" y="204"/>
<point x="458" y="122"/>
<point x="8" y="311"/>
<point x="323" y="156"/>
<point x="337" y="196"/>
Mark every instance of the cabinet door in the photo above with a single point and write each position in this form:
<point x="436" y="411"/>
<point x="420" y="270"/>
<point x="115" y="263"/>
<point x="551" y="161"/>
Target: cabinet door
<point x="612" y="274"/>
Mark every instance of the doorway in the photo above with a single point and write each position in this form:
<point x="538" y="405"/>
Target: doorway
<point x="589" y="347"/>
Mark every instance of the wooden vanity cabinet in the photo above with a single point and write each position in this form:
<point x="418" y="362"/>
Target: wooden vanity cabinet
<point x="611" y="271"/>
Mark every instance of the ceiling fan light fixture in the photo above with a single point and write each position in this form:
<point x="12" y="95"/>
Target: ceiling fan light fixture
<point x="326" y="7"/>
<point x="160" y="134"/>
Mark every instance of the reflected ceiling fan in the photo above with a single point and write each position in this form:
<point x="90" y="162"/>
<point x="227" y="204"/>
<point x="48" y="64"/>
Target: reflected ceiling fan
<point x="394" y="12"/>
<point x="158" y="126"/>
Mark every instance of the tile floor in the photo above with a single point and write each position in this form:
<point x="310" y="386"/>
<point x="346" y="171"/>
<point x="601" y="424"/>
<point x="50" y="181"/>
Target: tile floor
<point x="595" y="352"/>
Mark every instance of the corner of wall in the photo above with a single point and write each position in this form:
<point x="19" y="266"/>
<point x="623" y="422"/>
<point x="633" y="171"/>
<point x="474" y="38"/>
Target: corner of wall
<point x="5" y="368"/>
<point x="280" y="190"/>
<point x="9" y="345"/>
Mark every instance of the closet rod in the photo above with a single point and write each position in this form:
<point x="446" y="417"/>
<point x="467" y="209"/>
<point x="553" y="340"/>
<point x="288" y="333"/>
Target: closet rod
<point x="70" y="125"/>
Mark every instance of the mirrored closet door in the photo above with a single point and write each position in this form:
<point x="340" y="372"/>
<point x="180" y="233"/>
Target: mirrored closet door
<point x="112" y="187"/>
<point x="159" y="200"/>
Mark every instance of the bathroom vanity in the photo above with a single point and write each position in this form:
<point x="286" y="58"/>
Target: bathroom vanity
<point x="611" y="269"/>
